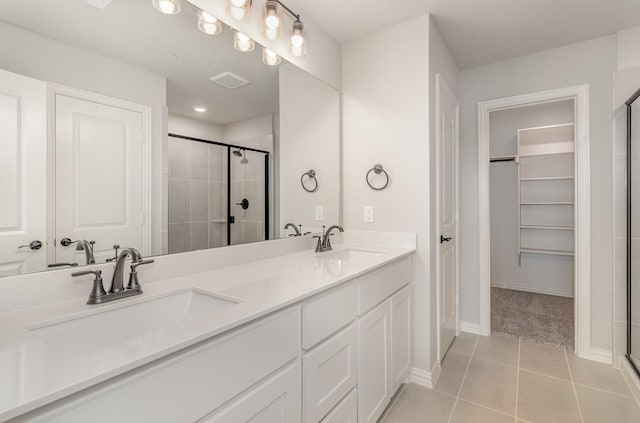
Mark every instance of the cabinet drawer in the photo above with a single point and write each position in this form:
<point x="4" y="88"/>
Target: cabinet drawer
<point x="326" y="315"/>
<point x="276" y="400"/>
<point x="199" y="379"/>
<point x="378" y="285"/>
<point x="329" y="373"/>
<point x="346" y="411"/>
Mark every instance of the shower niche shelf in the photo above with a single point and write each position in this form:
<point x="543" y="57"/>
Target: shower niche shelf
<point x="546" y="190"/>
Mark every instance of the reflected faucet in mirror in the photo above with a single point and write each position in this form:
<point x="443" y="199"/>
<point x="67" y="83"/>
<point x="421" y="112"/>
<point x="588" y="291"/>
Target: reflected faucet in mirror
<point x="81" y="245"/>
<point x="297" y="232"/>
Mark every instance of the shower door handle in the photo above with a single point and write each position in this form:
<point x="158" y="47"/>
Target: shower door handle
<point x="444" y="239"/>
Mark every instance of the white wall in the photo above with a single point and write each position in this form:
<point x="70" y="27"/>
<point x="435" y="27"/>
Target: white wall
<point x="182" y="125"/>
<point x="386" y="120"/>
<point x="592" y="63"/>
<point x="440" y="62"/>
<point x="541" y="273"/>
<point x="309" y="139"/>
<point x="43" y="58"/>
<point x="628" y="51"/>
<point x="248" y="129"/>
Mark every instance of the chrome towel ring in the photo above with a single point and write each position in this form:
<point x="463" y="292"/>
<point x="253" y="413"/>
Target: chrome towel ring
<point x="311" y="175"/>
<point x="377" y="169"/>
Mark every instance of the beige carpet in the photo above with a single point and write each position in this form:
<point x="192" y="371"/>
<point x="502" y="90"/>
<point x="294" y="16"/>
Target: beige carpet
<point x="546" y="319"/>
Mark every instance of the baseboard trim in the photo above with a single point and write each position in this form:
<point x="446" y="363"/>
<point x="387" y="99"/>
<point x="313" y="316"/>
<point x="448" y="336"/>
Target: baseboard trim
<point x="555" y="292"/>
<point x="425" y="378"/>
<point x="631" y="377"/>
<point x="601" y="356"/>
<point x="469" y="327"/>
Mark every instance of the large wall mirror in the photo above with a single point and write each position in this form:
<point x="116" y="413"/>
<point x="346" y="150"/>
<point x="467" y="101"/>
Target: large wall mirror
<point x="124" y="127"/>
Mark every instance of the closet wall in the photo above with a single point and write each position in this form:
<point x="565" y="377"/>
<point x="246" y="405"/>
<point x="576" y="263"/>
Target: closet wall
<point x="542" y="273"/>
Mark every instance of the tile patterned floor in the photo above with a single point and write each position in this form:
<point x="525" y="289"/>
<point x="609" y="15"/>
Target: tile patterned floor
<point x="499" y="379"/>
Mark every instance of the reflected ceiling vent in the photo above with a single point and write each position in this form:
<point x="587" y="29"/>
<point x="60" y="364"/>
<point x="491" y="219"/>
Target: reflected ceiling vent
<point x="100" y="4"/>
<point x="229" y="80"/>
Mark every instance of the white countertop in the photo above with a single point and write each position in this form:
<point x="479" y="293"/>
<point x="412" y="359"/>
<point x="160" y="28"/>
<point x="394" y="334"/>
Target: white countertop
<point x="37" y="370"/>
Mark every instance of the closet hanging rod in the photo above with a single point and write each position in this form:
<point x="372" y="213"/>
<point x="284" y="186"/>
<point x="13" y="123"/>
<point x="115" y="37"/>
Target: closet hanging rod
<point x="503" y="159"/>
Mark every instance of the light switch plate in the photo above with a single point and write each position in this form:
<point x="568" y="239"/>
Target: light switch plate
<point x="368" y="214"/>
<point x="319" y="213"/>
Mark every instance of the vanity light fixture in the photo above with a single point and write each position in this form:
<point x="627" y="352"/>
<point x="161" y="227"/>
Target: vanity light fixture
<point x="200" y="109"/>
<point x="168" y="7"/>
<point x="298" y="40"/>
<point x="238" y="9"/>
<point x="270" y="58"/>
<point x="272" y="20"/>
<point x="242" y="43"/>
<point x="208" y="24"/>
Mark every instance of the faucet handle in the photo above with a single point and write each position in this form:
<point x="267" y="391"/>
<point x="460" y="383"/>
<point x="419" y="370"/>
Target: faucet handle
<point x="97" y="292"/>
<point x="133" y="276"/>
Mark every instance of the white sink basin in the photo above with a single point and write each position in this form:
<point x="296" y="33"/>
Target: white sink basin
<point x="114" y="323"/>
<point x="351" y="255"/>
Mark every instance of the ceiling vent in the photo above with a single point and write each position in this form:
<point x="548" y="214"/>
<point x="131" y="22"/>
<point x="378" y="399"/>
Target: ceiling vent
<point x="229" y="80"/>
<point x="100" y="4"/>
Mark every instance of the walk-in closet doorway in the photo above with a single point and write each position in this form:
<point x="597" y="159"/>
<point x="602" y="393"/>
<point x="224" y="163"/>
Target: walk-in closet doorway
<point x="534" y="217"/>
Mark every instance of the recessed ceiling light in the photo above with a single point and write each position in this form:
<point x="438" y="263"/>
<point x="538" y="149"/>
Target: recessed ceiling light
<point x="200" y="109"/>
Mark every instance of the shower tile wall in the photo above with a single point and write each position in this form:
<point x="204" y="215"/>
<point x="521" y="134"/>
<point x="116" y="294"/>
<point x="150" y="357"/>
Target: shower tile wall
<point x="196" y="195"/>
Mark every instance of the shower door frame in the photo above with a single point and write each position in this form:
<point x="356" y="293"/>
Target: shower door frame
<point x="629" y="104"/>
<point x="230" y="147"/>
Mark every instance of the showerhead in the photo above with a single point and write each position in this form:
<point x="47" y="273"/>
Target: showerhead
<point x="237" y="153"/>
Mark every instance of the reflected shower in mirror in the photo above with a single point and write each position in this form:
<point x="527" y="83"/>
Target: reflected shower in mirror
<point x="126" y="127"/>
<point x="633" y="230"/>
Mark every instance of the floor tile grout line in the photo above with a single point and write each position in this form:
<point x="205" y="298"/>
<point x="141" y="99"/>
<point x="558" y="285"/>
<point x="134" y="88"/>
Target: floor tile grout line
<point x="604" y="390"/>
<point x="559" y="379"/>
<point x="518" y="380"/>
<point x="455" y="403"/>
<point x="487" y="408"/>
<point x="573" y="386"/>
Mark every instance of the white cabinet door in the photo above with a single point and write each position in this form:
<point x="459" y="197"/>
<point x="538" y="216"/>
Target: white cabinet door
<point x="99" y="178"/>
<point x="23" y="177"/>
<point x="329" y="373"/>
<point x="277" y="400"/>
<point x="373" y="364"/>
<point x="346" y="411"/>
<point x="401" y="350"/>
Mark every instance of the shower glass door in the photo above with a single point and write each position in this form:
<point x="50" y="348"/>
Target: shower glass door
<point x="633" y="230"/>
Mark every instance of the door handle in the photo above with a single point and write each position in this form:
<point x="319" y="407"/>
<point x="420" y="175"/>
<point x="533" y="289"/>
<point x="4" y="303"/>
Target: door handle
<point x="244" y="204"/>
<point x="444" y="239"/>
<point x="33" y="245"/>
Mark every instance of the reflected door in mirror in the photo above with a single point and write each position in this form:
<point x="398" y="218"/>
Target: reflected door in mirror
<point x="23" y="214"/>
<point x="99" y="179"/>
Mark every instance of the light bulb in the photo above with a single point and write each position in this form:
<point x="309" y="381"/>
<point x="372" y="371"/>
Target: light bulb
<point x="270" y="58"/>
<point x="169" y="7"/>
<point x="238" y="13"/>
<point x="242" y="43"/>
<point x="298" y="41"/>
<point x="208" y="24"/>
<point x="272" y="21"/>
<point x="238" y="9"/>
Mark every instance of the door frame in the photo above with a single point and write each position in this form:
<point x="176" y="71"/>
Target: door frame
<point x="442" y="85"/>
<point x="582" y="210"/>
<point x="54" y="89"/>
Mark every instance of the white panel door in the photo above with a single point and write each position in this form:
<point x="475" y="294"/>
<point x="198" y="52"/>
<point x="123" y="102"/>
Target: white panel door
<point x="23" y="167"/>
<point x="447" y="211"/>
<point x="99" y="180"/>
<point x="373" y="364"/>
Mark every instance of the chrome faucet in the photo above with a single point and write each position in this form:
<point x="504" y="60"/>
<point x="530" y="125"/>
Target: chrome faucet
<point x="117" y="289"/>
<point x="87" y="246"/>
<point x="324" y="241"/>
<point x="295" y="228"/>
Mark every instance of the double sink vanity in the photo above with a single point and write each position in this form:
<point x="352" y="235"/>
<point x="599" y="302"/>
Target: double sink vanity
<point x="281" y="333"/>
